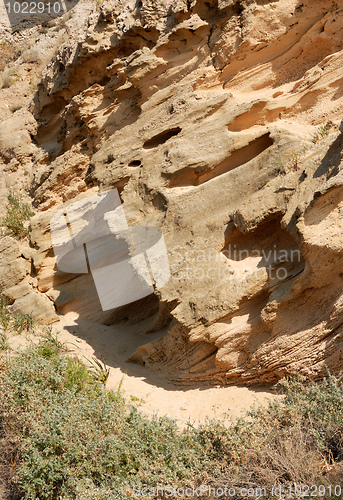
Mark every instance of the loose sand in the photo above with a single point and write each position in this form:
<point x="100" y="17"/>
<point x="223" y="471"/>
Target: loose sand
<point x="114" y="345"/>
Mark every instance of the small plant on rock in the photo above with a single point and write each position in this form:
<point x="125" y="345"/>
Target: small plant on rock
<point x="18" y="212"/>
<point x="294" y="160"/>
<point x="9" y="51"/>
<point x="321" y="132"/>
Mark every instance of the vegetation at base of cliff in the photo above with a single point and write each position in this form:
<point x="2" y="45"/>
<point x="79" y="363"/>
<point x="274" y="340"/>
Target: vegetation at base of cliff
<point x="18" y="212"/>
<point x="65" y="436"/>
<point x="9" y="51"/>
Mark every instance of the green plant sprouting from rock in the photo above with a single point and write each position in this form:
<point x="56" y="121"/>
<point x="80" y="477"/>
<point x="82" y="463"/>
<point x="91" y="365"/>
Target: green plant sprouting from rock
<point x="18" y="213"/>
<point x="322" y="132"/>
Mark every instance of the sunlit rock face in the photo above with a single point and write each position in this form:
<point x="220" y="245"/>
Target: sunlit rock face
<point x="203" y="115"/>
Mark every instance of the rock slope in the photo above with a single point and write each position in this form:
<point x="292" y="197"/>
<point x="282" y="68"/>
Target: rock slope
<point x="217" y="121"/>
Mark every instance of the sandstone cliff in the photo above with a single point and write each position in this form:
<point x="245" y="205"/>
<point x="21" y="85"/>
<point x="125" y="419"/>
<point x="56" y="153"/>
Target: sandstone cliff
<point x="218" y="123"/>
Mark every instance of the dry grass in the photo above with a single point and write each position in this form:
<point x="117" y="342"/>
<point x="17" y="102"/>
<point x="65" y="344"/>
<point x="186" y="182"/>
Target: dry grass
<point x="296" y="441"/>
<point x="279" y="457"/>
<point x="8" y="77"/>
<point x="33" y="55"/>
<point x="9" y="51"/>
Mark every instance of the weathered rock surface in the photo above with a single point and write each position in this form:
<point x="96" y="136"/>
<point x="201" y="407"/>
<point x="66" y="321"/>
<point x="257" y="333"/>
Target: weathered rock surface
<point x="14" y="268"/>
<point x="201" y="114"/>
<point x="19" y="286"/>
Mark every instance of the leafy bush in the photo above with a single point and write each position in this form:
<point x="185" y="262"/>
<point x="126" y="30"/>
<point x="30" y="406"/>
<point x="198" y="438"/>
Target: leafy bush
<point x="298" y="439"/>
<point x="322" y="406"/>
<point x="74" y="433"/>
<point x="70" y="438"/>
<point x="18" y="212"/>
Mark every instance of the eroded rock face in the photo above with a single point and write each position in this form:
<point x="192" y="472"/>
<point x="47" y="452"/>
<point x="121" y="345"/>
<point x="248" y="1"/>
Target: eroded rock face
<point x="201" y="114"/>
<point x="17" y="284"/>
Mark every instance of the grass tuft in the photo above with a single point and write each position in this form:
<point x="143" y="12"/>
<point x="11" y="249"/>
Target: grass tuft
<point x="9" y="51"/>
<point x="5" y="316"/>
<point x="23" y="322"/>
<point x="3" y="341"/>
<point x="99" y="370"/>
<point x="8" y="77"/>
<point x="322" y="132"/>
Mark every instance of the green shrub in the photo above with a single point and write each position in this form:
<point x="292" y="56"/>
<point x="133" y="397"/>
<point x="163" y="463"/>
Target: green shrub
<point x="297" y="439"/>
<point x="74" y="432"/>
<point x="18" y="212"/>
<point x="76" y="440"/>
<point x="321" y="405"/>
<point x="77" y="376"/>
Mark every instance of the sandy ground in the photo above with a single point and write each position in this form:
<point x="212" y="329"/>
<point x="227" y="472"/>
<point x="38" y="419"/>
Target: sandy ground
<point x="115" y="344"/>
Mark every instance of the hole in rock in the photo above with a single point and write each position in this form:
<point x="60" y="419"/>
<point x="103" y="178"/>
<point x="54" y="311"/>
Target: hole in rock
<point x="135" y="163"/>
<point x="110" y="159"/>
<point x="267" y="249"/>
<point x="239" y="157"/>
<point x="161" y="138"/>
<point x="255" y="116"/>
<point x="120" y="185"/>
<point x="238" y="8"/>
